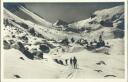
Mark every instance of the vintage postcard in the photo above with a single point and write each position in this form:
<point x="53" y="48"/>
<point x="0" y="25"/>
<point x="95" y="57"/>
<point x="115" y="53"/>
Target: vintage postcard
<point x="83" y="41"/>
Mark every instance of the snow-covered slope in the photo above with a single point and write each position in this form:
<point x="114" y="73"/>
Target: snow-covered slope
<point x="87" y="64"/>
<point x="49" y="33"/>
<point x="28" y="68"/>
<point x="26" y="14"/>
<point x="110" y="21"/>
<point x="36" y="17"/>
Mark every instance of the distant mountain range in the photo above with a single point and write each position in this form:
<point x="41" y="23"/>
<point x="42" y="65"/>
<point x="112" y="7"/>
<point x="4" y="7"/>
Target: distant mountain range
<point x="108" y="21"/>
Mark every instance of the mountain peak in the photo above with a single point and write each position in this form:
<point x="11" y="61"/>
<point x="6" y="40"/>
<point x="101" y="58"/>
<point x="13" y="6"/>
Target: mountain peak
<point x="60" y="22"/>
<point x="111" y="11"/>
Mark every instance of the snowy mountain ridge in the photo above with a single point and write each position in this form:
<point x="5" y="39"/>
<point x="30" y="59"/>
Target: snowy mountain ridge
<point x="103" y="14"/>
<point x="26" y="14"/>
<point x="49" y="33"/>
<point x="110" y="21"/>
<point x="37" y="18"/>
<point x="113" y="19"/>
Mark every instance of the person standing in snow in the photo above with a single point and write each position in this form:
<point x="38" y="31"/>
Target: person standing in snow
<point x="66" y="61"/>
<point x="75" y="63"/>
<point x="71" y="61"/>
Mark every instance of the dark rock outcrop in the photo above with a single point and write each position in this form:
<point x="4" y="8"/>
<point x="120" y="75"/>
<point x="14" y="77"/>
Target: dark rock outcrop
<point x="6" y="45"/>
<point x="44" y="48"/>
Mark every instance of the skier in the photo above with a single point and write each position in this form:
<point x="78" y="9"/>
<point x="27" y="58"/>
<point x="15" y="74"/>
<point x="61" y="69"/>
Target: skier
<point x="66" y="61"/>
<point x="71" y="61"/>
<point x="75" y="62"/>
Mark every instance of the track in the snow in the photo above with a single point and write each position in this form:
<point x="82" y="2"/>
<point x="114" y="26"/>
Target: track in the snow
<point x="72" y="74"/>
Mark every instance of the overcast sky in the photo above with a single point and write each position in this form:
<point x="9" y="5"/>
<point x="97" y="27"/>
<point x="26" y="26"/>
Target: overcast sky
<point x="67" y="11"/>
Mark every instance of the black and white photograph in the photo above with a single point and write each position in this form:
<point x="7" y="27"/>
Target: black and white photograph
<point x="63" y="40"/>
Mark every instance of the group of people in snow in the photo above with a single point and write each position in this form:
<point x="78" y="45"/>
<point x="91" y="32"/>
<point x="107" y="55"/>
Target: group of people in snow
<point x="72" y="62"/>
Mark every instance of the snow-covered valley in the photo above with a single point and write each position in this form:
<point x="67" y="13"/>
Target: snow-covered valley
<point x="42" y="50"/>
